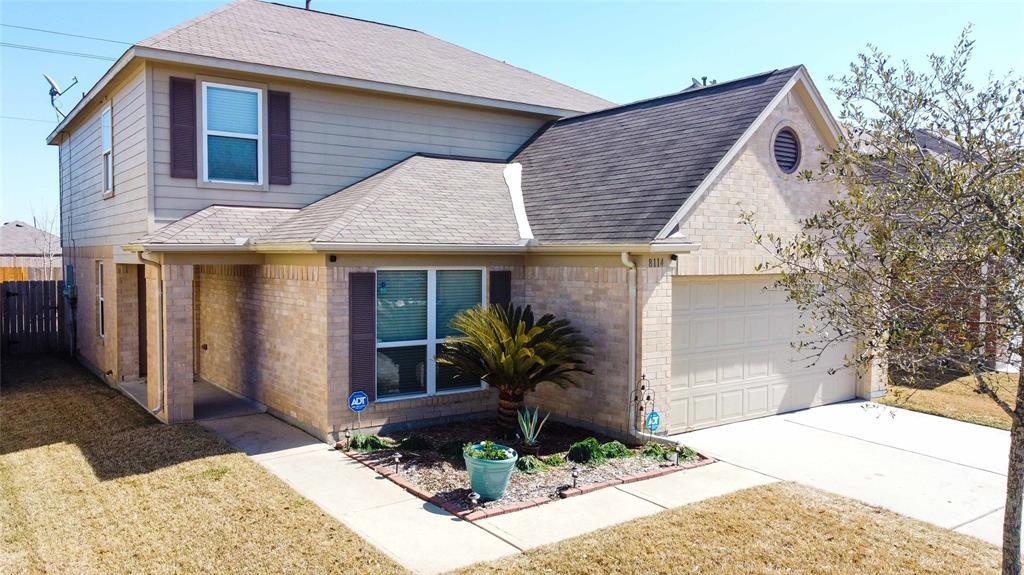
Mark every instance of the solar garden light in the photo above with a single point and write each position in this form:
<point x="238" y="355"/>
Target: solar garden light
<point x="575" y="476"/>
<point x="474" y="498"/>
<point x="675" y="456"/>
<point x="348" y="438"/>
<point x="397" y="458"/>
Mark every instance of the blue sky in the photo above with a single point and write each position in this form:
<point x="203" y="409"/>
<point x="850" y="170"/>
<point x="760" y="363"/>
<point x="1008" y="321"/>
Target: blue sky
<point x="622" y="51"/>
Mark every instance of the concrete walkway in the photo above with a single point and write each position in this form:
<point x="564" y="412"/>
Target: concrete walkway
<point x="425" y="538"/>
<point x="939" y="470"/>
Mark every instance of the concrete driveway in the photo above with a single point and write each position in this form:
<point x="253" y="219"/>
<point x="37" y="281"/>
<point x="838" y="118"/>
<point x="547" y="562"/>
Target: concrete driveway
<point x="939" y="470"/>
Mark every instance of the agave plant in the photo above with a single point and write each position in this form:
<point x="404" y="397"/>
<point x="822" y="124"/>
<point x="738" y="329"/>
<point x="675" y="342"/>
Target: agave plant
<point x="514" y="352"/>
<point x="530" y="425"/>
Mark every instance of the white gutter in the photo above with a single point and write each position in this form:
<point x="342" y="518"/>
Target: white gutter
<point x="159" y="331"/>
<point x="513" y="174"/>
<point x="300" y="247"/>
<point x="631" y="343"/>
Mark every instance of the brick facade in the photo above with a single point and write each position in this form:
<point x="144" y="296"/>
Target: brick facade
<point x="595" y="298"/>
<point x="262" y="332"/>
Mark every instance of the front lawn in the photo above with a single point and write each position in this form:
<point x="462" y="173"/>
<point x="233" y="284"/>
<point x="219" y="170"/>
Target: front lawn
<point x="775" y="529"/>
<point x="955" y="398"/>
<point x="90" y="484"/>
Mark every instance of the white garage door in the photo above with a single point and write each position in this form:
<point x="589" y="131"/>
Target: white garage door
<point x="732" y="358"/>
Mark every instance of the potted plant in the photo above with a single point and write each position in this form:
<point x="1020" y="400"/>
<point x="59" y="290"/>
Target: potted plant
<point x="530" y="425"/>
<point x="489" y="466"/>
<point x="506" y="346"/>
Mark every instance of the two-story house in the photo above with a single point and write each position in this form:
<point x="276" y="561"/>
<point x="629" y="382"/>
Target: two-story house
<point x="290" y="205"/>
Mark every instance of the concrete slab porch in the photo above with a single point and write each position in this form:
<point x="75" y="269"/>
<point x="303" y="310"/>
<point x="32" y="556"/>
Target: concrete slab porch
<point x="209" y="400"/>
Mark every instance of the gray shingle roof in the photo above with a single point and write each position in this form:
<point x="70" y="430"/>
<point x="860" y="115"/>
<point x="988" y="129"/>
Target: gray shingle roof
<point x="20" y="239"/>
<point x="219" y="225"/>
<point x="289" y="37"/>
<point x="621" y="174"/>
<point x="421" y="200"/>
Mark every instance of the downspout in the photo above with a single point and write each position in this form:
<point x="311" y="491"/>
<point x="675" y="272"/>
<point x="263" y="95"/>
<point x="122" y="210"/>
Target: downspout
<point x="159" y="331"/>
<point x="631" y="344"/>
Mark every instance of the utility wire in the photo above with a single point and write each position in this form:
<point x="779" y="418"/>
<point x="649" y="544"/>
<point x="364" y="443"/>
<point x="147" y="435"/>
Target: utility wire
<point x="27" y="119"/>
<point x="52" y="51"/>
<point x="65" y="34"/>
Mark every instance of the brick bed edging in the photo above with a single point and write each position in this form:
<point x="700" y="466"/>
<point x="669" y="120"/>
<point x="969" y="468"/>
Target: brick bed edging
<point x="389" y="473"/>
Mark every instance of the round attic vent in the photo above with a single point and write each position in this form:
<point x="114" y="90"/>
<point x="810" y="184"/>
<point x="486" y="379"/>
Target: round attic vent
<point x="787" y="150"/>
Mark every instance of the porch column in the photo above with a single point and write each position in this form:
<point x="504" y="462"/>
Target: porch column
<point x="170" y="381"/>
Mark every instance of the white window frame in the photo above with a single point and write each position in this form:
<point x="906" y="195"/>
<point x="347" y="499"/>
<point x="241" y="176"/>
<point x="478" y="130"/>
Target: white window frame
<point x="107" y="153"/>
<point x="432" y="341"/>
<point x="101" y="322"/>
<point x="258" y="137"/>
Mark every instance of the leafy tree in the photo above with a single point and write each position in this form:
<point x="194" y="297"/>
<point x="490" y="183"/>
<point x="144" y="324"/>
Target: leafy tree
<point x="510" y="350"/>
<point x="921" y="260"/>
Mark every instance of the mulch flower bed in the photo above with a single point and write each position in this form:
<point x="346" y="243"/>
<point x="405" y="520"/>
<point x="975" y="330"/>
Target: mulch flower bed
<point x="435" y="471"/>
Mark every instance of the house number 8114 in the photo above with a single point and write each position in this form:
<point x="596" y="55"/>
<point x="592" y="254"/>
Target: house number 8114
<point x="655" y="262"/>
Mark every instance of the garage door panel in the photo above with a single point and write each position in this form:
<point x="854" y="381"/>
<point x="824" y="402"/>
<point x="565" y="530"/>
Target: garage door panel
<point x="705" y="409"/>
<point x="736" y="360"/>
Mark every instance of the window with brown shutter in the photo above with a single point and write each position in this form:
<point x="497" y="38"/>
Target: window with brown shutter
<point x="280" y="146"/>
<point x="183" y="128"/>
<point x="362" y="340"/>
<point x="500" y="291"/>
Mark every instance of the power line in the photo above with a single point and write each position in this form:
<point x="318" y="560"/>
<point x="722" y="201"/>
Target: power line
<point x="52" y="51"/>
<point x="27" y="119"/>
<point x="65" y="34"/>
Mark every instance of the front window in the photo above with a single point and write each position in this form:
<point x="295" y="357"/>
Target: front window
<point x="414" y="308"/>
<point x="107" y="143"/>
<point x="233" y="134"/>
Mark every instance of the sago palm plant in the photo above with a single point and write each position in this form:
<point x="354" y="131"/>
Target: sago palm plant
<point x="514" y="352"/>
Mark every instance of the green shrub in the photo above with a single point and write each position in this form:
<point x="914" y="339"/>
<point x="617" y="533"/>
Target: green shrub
<point x="615" y="450"/>
<point x="530" y="464"/>
<point x="488" y="450"/>
<point x="556" y="460"/>
<point x="415" y="443"/>
<point x="369" y="443"/>
<point x="586" y="451"/>
<point x="656" y="450"/>
<point x="686" y="454"/>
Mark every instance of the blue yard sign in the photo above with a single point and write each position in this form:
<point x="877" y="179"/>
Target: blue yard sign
<point x="358" y="401"/>
<point x="653" y="421"/>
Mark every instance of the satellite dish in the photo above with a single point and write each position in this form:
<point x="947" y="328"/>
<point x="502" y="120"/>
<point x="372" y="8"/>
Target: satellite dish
<point x="55" y="91"/>
<point x="54" y="88"/>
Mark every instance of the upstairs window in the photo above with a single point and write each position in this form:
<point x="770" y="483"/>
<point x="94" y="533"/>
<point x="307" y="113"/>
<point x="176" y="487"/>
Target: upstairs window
<point x="107" y="144"/>
<point x="414" y="308"/>
<point x="233" y="134"/>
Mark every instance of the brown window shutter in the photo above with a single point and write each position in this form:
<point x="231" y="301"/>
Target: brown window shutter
<point x="279" y="116"/>
<point x="183" y="128"/>
<point x="362" y="333"/>
<point x="500" y="287"/>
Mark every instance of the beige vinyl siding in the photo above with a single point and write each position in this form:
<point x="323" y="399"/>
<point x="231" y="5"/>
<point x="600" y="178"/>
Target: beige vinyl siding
<point x="338" y="138"/>
<point x="88" y="218"/>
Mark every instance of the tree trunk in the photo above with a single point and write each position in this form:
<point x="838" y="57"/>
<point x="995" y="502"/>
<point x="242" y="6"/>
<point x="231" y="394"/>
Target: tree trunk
<point x="1014" y="486"/>
<point x="509" y="402"/>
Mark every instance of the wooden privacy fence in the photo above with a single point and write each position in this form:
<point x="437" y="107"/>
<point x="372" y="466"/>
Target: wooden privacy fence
<point x="32" y="319"/>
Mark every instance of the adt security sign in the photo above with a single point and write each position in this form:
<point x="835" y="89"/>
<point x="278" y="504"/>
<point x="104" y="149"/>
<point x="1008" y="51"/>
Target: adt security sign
<point x="358" y="401"/>
<point x="653" y="421"/>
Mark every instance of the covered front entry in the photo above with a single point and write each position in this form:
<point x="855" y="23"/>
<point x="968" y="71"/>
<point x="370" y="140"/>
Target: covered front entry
<point x="732" y="357"/>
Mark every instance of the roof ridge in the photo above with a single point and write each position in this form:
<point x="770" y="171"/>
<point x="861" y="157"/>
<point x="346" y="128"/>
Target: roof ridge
<point x="172" y="31"/>
<point x="703" y="90"/>
<point x="349" y="215"/>
<point x="342" y="16"/>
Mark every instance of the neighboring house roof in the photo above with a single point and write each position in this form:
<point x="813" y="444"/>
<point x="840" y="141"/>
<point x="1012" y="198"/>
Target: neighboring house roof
<point x="621" y="174"/>
<point x="421" y="200"/>
<point x="20" y="239"/>
<point x="219" y="225"/>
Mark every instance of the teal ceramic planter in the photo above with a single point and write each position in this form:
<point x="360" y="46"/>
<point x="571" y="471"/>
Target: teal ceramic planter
<point x="490" y="478"/>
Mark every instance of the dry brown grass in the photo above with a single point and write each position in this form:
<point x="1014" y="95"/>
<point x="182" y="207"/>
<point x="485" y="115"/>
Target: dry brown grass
<point x="90" y="484"/>
<point x="956" y="398"/>
<point x="775" y="529"/>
